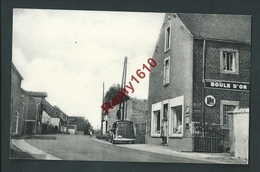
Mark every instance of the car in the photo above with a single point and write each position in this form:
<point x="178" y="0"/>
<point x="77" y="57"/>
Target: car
<point x="122" y="131"/>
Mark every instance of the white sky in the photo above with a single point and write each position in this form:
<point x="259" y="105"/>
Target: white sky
<point x="69" y="54"/>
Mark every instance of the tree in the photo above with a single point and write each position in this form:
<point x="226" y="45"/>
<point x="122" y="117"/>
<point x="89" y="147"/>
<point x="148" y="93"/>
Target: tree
<point x="112" y="92"/>
<point x="87" y="126"/>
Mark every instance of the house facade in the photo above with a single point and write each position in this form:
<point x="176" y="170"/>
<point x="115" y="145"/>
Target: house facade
<point x="17" y="105"/>
<point x="34" y="113"/>
<point x="202" y="72"/>
<point x="26" y="107"/>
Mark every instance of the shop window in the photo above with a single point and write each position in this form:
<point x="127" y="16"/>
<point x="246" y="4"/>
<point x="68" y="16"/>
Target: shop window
<point x="225" y="107"/>
<point x="167" y="39"/>
<point x="156" y="122"/>
<point x="229" y="61"/>
<point x="176" y="120"/>
<point x="166" y="75"/>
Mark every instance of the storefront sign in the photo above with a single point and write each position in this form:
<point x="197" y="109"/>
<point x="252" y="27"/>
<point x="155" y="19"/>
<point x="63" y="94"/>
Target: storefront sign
<point x="228" y="85"/>
<point x="210" y="100"/>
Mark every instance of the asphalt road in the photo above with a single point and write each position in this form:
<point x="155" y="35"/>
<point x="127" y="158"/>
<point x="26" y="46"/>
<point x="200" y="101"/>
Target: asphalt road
<point x="82" y="147"/>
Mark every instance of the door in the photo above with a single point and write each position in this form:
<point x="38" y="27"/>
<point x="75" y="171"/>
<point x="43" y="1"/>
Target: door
<point x="29" y="127"/>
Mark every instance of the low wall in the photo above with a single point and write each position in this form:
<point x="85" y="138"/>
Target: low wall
<point x="239" y="133"/>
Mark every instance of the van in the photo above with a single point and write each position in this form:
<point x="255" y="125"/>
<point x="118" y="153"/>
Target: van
<point x="122" y="131"/>
<point x="72" y="129"/>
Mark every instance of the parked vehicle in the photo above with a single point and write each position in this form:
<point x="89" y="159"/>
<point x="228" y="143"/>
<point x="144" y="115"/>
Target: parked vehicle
<point x="72" y="129"/>
<point x="122" y="131"/>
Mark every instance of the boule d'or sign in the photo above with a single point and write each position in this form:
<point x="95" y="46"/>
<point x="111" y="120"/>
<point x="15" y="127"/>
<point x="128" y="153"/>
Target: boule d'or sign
<point x="227" y="85"/>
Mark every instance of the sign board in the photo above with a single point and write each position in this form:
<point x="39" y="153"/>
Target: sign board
<point x="227" y="85"/>
<point x="198" y="111"/>
<point x="196" y="105"/>
<point x="210" y="100"/>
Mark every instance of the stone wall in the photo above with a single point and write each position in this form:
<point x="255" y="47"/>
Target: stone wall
<point x="136" y="112"/>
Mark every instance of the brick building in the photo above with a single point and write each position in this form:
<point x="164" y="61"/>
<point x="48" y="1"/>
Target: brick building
<point x="26" y="111"/>
<point x="17" y="106"/>
<point x="203" y="71"/>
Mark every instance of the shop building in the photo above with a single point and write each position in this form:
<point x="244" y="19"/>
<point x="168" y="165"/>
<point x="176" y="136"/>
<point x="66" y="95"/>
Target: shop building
<point x="202" y="72"/>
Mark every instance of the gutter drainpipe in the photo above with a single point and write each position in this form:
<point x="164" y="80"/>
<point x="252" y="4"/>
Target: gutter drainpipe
<point x="36" y="120"/>
<point x="203" y="84"/>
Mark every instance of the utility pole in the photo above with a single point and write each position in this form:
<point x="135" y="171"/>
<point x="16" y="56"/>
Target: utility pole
<point x="102" y="109"/>
<point x="123" y="86"/>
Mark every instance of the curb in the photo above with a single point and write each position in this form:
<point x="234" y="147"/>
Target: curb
<point x="33" y="151"/>
<point x="173" y="153"/>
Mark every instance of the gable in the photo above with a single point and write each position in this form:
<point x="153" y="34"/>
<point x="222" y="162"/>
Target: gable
<point x="236" y="28"/>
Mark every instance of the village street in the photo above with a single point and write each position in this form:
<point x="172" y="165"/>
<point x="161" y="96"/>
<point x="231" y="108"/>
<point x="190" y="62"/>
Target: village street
<point x="82" y="147"/>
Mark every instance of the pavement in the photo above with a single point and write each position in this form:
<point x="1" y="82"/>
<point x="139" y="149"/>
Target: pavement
<point x="222" y="158"/>
<point x="32" y="151"/>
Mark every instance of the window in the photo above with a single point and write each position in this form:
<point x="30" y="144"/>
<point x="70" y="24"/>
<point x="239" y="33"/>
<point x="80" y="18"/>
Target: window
<point x="157" y="121"/>
<point x="225" y="107"/>
<point x="229" y="61"/>
<point x="165" y="111"/>
<point x="156" y="118"/>
<point x="176" y="120"/>
<point x="167" y="39"/>
<point x="166" y="75"/>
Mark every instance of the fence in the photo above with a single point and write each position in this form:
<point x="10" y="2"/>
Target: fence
<point x="140" y="133"/>
<point x="210" y="138"/>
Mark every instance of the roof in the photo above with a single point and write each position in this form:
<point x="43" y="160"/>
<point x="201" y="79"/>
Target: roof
<point x="37" y="94"/>
<point x="122" y="120"/>
<point x="55" y="111"/>
<point x="62" y="115"/>
<point x="13" y="66"/>
<point x="24" y="91"/>
<point x="235" y="28"/>
<point x="76" y="117"/>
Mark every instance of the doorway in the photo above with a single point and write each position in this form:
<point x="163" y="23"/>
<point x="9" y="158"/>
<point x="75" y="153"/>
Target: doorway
<point x="29" y="127"/>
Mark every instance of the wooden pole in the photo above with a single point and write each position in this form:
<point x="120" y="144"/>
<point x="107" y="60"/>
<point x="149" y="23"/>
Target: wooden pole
<point x="102" y="109"/>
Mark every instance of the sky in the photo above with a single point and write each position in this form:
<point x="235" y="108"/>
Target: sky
<point x="69" y="54"/>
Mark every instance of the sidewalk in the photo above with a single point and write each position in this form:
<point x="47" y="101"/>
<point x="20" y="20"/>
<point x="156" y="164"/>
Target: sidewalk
<point x="16" y="153"/>
<point x="32" y="151"/>
<point x="222" y="158"/>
